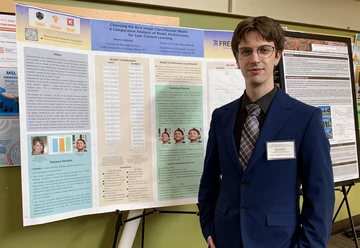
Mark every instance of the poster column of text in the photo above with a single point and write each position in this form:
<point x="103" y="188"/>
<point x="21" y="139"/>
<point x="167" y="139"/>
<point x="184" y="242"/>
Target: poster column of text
<point x="318" y="73"/>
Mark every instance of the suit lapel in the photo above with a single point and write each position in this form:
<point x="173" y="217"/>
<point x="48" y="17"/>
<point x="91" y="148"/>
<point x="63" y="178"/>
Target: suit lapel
<point x="228" y="123"/>
<point x="276" y="118"/>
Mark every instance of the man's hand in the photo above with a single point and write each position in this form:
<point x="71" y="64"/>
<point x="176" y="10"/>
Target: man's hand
<point x="210" y="242"/>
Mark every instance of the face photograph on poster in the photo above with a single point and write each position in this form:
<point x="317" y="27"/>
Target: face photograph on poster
<point x="179" y="136"/>
<point x="194" y="135"/>
<point x="80" y="143"/>
<point x="165" y="137"/>
<point x="39" y="145"/>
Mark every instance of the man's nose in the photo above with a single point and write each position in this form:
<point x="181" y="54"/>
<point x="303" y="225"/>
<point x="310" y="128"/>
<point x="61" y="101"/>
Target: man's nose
<point x="254" y="57"/>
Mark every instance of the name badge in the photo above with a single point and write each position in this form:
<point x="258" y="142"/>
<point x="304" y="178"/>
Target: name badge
<point x="280" y="150"/>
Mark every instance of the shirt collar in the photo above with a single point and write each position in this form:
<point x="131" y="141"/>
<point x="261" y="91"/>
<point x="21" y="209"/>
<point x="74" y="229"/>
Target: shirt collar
<point x="264" y="102"/>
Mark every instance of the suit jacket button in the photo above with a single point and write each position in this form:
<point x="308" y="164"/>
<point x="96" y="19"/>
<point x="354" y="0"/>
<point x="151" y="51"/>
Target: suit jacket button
<point x="244" y="184"/>
<point x="243" y="208"/>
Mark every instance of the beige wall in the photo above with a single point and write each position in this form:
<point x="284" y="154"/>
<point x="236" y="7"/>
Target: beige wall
<point x="207" y="5"/>
<point x="330" y="13"/>
<point x="8" y="6"/>
<point x="342" y="14"/>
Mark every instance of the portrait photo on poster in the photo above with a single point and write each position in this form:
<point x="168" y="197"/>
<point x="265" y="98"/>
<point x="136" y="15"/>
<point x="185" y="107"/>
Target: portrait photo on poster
<point x="179" y="136"/>
<point x="80" y="143"/>
<point x="39" y="145"/>
<point x="164" y="135"/>
<point x="194" y="135"/>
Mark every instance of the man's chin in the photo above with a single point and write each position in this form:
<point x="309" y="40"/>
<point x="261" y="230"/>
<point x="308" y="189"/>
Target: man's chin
<point x="256" y="83"/>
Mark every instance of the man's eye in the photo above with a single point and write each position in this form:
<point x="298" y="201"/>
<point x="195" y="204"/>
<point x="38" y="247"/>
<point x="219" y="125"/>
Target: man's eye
<point x="264" y="49"/>
<point x="245" y="51"/>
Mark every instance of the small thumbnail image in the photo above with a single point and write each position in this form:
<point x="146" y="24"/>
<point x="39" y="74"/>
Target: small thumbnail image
<point x="31" y="34"/>
<point x="164" y="135"/>
<point x="328" y="132"/>
<point x="194" y="135"/>
<point x="39" y="145"/>
<point x="325" y="110"/>
<point x="326" y="121"/>
<point x="179" y="135"/>
<point x="80" y="142"/>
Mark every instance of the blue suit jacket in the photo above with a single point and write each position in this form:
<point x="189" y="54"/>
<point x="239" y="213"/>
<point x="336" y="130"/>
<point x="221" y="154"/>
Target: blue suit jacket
<point x="260" y="207"/>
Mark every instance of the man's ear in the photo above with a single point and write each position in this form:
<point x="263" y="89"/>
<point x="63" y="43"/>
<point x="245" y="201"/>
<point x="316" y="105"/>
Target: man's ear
<point x="237" y="63"/>
<point x="277" y="57"/>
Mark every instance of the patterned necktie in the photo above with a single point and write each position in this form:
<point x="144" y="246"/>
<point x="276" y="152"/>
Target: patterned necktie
<point x="249" y="134"/>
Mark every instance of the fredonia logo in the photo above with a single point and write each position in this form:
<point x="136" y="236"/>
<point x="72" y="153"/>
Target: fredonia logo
<point x="222" y="43"/>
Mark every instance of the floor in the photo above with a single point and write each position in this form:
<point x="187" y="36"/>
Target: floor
<point x="341" y="241"/>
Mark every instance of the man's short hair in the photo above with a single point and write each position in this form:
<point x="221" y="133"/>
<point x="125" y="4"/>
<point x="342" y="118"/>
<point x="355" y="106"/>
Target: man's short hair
<point x="269" y="29"/>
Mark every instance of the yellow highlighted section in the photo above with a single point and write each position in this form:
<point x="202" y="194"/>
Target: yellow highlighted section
<point x="55" y="27"/>
<point x="40" y="24"/>
<point x="70" y="30"/>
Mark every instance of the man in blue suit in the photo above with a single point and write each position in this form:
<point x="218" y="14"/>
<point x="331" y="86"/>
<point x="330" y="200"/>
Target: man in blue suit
<point x="256" y="163"/>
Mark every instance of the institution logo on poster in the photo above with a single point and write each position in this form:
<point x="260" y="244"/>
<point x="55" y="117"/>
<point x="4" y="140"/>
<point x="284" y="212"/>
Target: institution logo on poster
<point x="11" y="73"/>
<point x="55" y="18"/>
<point x="221" y="43"/>
<point x="39" y="15"/>
<point x="70" y="22"/>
